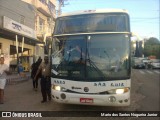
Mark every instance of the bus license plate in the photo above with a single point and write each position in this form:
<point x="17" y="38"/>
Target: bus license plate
<point x="86" y="100"/>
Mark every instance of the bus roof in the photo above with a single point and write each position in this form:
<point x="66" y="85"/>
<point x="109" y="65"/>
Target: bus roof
<point x="94" y="11"/>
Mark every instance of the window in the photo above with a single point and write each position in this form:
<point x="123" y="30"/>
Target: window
<point x="51" y="6"/>
<point x="96" y="59"/>
<point x="105" y="22"/>
<point x="41" y="24"/>
<point x="43" y="1"/>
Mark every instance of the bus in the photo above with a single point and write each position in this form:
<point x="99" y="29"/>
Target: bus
<point x="91" y="58"/>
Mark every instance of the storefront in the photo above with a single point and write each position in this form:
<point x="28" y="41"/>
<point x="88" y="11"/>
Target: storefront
<point x="18" y="44"/>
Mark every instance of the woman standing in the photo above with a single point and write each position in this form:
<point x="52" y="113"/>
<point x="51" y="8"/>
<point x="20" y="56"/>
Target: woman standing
<point x="4" y="69"/>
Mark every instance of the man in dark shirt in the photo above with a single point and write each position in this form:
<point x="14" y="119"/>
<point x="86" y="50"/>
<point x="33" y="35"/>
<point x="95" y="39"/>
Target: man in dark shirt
<point x="44" y="69"/>
<point x="34" y="68"/>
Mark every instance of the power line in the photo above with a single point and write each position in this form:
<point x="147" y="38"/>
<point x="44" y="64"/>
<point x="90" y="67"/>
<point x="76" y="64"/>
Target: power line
<point x="146" y="18"/>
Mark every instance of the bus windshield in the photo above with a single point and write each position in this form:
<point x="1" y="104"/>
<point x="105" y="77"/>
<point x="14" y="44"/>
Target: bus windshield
<point x="98" y="57"/>
<point x="104" y="22"/>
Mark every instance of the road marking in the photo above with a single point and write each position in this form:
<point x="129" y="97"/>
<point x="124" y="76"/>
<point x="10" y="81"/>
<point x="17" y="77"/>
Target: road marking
<point x="142" y="72"/>
<point x="156" y="71"/>
<point x="149" y="71"/>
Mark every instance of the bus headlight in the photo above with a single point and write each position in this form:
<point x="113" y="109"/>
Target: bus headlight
<point x="118" y="91"/>
<point x="58" y="88"/>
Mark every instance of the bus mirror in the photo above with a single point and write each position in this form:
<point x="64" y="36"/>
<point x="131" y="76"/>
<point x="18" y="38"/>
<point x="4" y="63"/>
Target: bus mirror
<point x="54" y="41"/>
<point x="57" y="40"/>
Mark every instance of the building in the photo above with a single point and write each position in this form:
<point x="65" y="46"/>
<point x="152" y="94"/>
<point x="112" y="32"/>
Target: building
<point x="17" y="33"/>
<point x="45" y="14"/>
<point x="24" y="28"/>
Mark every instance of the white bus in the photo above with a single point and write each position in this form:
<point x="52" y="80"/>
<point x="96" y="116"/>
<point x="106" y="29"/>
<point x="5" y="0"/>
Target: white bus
<point x="91" y="64"/>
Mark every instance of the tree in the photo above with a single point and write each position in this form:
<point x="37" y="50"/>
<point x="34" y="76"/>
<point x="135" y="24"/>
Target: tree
<point x="152" y="47"/>
<point x="152" y="41"/>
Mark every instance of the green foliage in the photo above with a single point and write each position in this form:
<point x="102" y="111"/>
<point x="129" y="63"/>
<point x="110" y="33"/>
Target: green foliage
<point x="152" y="41"/>
<point x="152" y="47"/>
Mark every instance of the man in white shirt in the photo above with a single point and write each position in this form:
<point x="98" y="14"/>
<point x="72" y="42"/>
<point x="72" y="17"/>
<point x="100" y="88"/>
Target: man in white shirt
<point x="4" y="69"/>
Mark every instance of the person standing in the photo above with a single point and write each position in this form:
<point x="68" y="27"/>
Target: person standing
<point x="20" y="70"/>
<point x="34" y="68"/>
<point x="4" y="69"/>
<point x="45" y="70"/>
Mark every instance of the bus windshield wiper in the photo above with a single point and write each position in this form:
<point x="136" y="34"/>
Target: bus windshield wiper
<point x="90" y="61"/>
<point x="96" y="68"/>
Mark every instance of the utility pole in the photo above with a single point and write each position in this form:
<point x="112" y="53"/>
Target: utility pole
<point x="61" y="4"/>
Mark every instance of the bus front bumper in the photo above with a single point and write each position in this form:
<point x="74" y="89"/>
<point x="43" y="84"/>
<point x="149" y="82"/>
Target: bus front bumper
<point x="90" y="99"/>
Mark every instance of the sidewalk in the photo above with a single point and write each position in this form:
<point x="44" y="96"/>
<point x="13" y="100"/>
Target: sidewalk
<point x="16" y="78"/>
<point x="22" y="97"/>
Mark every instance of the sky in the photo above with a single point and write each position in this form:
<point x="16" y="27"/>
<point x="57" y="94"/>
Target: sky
<point x="144" y="14"/>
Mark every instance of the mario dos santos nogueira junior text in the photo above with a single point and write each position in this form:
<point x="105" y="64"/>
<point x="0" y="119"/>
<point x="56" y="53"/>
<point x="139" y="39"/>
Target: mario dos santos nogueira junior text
<point x="129" y="114"/>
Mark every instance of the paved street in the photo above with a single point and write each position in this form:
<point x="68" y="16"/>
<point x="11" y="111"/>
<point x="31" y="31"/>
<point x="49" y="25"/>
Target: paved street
<point x="149" y="81"/>
<point x="144" y="97"/>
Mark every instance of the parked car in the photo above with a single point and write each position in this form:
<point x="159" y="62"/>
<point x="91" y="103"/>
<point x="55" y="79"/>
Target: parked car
<point x="138" y="63"/>
<point x="147" y="62"/>
<point x="139" y="66"/>
<point x="155" y="63"/>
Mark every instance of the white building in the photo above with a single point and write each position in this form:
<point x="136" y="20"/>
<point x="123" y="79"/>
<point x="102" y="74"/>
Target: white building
<point x="45" y="15"/>
<point x="31" y="22"/>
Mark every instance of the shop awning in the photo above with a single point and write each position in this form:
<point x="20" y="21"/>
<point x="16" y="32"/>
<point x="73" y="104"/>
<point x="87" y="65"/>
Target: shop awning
<point x="12" y="36"/>
<point x="14" y="51"/>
